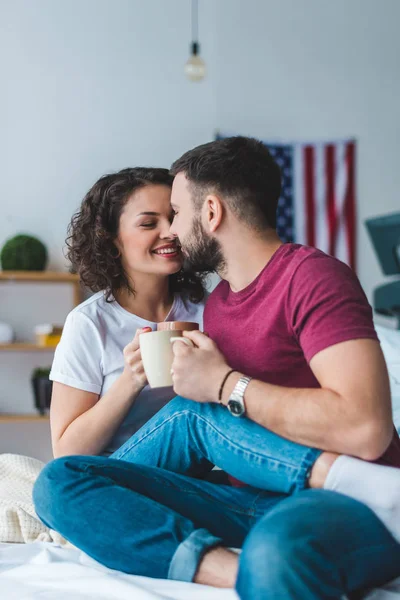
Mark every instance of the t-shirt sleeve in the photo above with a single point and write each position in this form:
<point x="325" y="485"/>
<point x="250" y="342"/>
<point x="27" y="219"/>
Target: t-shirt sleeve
<point x="78" y="357"/>
<point x="327" y="305"/>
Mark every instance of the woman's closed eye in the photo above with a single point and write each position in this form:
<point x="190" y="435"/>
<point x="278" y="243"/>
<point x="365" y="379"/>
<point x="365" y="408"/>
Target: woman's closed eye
<point x="148" y="225"/>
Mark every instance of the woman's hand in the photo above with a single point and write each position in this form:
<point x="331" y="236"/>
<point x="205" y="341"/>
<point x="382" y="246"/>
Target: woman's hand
<point x="133" y="360"/>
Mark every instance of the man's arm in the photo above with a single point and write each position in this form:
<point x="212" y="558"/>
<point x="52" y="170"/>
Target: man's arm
<point x="349" y="414"/>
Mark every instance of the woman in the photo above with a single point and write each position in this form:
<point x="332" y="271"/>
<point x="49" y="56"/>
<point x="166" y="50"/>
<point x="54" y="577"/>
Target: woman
<point x="119" y="243"/>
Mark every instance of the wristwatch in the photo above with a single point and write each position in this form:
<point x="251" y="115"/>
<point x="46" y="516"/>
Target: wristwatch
<point x="236" y="400"/>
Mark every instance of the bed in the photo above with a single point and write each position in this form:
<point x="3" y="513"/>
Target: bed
<point x="47" y="570"/>
<point x="43" y="570"/>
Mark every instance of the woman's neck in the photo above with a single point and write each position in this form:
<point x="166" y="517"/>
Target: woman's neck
<point x="152" y="299"/>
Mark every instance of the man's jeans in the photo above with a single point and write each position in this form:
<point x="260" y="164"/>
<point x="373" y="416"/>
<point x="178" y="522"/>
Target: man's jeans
<point x="190" y="438"/>
<point x="139" y="518"/>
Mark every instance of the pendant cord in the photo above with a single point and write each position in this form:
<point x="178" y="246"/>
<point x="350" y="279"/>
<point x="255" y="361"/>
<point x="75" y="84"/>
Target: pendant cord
<point x="195" y="21"/>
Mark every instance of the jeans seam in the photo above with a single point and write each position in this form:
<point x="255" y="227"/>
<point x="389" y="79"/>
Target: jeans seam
<point x="236" y="509"/>
<point x="254" y="504"/>
<point x="277" y="462"/>
<point x="89" y="467"/>
<point x="165" y="421"/>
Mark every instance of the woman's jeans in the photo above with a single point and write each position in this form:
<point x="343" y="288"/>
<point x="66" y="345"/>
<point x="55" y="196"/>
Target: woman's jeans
<point x="135" y="515"/>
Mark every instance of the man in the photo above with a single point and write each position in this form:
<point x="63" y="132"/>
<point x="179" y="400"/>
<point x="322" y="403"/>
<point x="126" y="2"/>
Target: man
<point x="310" y="378"/>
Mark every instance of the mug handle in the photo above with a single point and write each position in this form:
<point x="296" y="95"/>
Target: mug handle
<point x="182" y="339"/>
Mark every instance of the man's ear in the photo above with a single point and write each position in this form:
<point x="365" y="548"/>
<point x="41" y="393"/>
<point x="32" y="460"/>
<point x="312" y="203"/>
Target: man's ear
<point x="213" y="212"/>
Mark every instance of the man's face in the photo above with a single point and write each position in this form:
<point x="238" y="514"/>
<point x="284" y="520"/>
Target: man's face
<point x="201" y="251"/>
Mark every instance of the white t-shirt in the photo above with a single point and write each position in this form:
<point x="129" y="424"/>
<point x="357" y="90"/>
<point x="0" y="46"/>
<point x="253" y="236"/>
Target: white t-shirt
<point x="90" y="355"/>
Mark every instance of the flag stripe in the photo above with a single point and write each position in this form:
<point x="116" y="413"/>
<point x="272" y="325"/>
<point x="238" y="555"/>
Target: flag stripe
<point x="350" y="204"/>
<point x="341" y="250"/>
<point x="309" y="185"/>
<point x="330" y="195"/>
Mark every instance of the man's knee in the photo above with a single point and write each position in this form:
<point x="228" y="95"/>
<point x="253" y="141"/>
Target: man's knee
<point x="285" y="549"/>
<point x="179" y="404"/>
<point x="272" y="562"/>
<point x="268" y="552"/>
<point x="187" y="410"/>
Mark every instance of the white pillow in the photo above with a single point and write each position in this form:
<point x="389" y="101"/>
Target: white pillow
<point x="390" y="343"/>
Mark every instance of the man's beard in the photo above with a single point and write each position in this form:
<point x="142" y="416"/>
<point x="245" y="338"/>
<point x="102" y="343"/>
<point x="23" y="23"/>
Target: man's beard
<point x="201" y="252"/>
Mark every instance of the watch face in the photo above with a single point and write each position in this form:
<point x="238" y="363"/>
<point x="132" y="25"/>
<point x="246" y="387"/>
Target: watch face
<point x="235" y="408"/>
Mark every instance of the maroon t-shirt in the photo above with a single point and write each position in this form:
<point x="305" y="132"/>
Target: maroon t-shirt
<point x="302" y="302"/>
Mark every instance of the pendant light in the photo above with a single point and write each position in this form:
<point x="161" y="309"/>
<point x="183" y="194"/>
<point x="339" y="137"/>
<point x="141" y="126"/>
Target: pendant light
<point x="195" y="68"/>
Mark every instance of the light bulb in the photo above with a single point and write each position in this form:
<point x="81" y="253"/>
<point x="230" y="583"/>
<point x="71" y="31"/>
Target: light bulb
<point x="195" y="68"/>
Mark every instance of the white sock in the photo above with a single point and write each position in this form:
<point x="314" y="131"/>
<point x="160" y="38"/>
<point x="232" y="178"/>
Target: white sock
<point x="375" y="485"/>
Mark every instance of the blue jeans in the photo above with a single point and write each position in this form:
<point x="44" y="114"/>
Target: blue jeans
<point x="190" y="438"/>
<point x="144" y="519"/>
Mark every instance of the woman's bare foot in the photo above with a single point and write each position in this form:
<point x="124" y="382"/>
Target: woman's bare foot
<point x="218" y="567"/>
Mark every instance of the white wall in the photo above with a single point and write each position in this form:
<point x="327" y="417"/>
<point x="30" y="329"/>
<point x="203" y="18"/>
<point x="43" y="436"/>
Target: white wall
<point x="91" y="86"/>
<point x="88" y="86"/>
<point x="96" y="85"/>
<point x="315" y="69"/>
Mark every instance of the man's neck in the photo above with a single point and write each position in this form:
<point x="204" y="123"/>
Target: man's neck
<point x="246" y="256"/>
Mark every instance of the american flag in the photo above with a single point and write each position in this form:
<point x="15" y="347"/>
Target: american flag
<point x="317" y="206"/>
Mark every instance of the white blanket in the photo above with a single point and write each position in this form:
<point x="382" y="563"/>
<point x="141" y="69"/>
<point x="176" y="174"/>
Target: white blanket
<point x="18" y="519"/>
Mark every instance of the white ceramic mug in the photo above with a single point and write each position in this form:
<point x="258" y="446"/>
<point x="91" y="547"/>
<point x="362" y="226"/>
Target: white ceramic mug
<point x="157" y="355"/>
<point x="6" y="333"/>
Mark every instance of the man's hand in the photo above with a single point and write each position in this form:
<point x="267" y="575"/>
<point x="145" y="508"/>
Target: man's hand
<point x="198" y="372"/>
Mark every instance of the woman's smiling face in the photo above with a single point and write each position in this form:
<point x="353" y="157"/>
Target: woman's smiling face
<point x="144" y="238"/>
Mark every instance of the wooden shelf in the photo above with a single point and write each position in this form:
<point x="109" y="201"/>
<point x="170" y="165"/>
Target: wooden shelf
<point x="36" y="277"/>
<point x="39" y="276"/>
<point x="8" y="418"/>
<point x="46" y="277"/>
<point x="26" y="347"/>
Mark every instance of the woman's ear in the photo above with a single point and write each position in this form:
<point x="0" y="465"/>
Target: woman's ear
<point x="118" y="247"/>
<point x="214" y="211"/>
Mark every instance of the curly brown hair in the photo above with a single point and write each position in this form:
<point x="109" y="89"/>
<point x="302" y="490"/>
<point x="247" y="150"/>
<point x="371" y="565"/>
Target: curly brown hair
<point x="94" y="228"/>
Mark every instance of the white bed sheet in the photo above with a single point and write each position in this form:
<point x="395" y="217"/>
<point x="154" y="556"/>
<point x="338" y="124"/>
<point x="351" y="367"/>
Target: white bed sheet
<point x="45" y="571"/>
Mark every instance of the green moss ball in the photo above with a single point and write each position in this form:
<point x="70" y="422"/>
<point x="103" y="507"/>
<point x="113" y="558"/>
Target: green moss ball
<point x="23" y="253"/>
